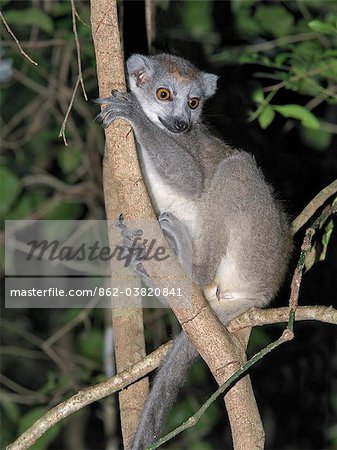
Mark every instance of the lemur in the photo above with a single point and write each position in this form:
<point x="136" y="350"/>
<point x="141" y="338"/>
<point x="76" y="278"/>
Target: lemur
<point x="205" y="192"/>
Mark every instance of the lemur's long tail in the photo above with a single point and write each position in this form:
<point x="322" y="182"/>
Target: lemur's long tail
<point x="166" y="385"/>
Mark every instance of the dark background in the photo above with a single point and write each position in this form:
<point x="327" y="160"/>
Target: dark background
<point x="295" y="385"/>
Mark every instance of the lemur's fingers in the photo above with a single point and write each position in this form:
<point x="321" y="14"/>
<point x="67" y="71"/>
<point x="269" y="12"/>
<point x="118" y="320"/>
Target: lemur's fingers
<point x="167" y="216"/>
<point x="118" y="106"/>
<point x="102" y="101"/>
<point x="126" y="232"/>
<point x="132" y="247"/>
<point x="114" y="96"/>
<point x="106" y="117"/>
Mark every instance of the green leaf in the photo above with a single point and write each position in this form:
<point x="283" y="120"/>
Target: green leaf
<point x="239" y="5"/>
<point x="2" y="258"/>
<point x="247" y="24"/>
<point x="69" y="159"/>
<point x="274" y="19"/>
<point x="325" y="239"/>
<point x="281" y="58"/>
<point x="307" y="118"/>
<point x="30" y="17"/>
<point x="202" y="445"/>
<point x="310" y="258"/>
<point x="266" y="117"/>
<point x="11" y="410"/>
<point x="322" y="27"/>
<point x="9" y="189"/>
<point x="316" y="139"/>
<point x="22" y="208"/>
<point x="60" y="9"/>
<point x="90" y="345"/>
<point x="197" y="17"/>
<point x="258" y="95"/>
<point x="65" y="211"/>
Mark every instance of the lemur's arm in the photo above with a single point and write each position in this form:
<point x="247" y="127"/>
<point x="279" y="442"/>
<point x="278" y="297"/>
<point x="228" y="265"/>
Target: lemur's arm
<point x="162" y="149"/>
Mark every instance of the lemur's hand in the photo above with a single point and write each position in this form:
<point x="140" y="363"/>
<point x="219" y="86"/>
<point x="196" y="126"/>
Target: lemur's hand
<point x="120" y="105"/>
<point x="133" y="251"/>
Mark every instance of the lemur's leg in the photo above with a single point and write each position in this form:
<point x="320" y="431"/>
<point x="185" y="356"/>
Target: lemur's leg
<point x="161" y="147"/>
<point x="181" y="243"/>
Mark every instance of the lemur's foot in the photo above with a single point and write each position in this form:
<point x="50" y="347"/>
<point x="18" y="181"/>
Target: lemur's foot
<point x="120" y="105"/>
<point x="134" y="251"/>
<point x="174" y="231"/>
<point x="178" y="238"/>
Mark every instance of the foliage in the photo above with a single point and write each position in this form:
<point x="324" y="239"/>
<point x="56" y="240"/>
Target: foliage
<point x="41" y="178"/>
<point x="296" y="45"/>
<point x="33" y="119"/>
<point x="290" y="44"/>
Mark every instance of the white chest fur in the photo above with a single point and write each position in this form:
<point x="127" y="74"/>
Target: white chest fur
<point x="166" y="199"/>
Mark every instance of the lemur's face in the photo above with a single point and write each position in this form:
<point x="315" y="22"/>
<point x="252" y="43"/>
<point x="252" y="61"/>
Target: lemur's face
<point x="170" y="90"/>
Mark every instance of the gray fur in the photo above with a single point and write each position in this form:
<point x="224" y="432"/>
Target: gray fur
<point x="215" y="195"/>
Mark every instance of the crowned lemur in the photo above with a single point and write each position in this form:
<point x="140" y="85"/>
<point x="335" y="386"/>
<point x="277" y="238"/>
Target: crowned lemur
<point x="204" y="192"/>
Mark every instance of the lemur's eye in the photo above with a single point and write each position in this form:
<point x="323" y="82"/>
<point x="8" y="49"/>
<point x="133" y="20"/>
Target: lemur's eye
<point x="193" y="102"/>
<point x="163" y="94"/>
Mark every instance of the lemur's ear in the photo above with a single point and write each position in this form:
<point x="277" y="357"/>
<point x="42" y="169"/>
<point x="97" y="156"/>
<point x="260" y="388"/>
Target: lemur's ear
<point x="139" y="68"/>
<point x="210" y="83"/>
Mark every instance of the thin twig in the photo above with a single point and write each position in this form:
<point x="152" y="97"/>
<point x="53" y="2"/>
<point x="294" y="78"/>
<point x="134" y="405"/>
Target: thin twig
<point x="312" y="207"/>
<point x="280" y="42"/>
<point x="87" y="396"/>
<point x="8" y="28"/>
<point x="256" y="317"/>
<point x="81" y="317"/>
<point x="149" y="19"/>
<point x="63" y="126"/>
<point x="328" y="126"/>
<point x="37" y="44"/>
<point x="305" y="249"/>
<point x="297" y="77"/>
<point x="78" y="47"/>
<point x="266" y="46"/>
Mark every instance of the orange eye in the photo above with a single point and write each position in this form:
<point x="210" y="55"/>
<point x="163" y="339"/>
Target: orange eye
<point x="163" y="94"/>
<point x="193" y="102"/>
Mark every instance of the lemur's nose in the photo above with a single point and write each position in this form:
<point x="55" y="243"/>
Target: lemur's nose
<point x="180" y="125"/>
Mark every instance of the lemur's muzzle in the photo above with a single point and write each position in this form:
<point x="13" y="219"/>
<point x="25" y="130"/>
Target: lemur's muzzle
<point x="175" y="125"/>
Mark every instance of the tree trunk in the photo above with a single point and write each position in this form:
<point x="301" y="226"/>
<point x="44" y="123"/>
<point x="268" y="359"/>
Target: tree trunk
<point x="119" y="169"/>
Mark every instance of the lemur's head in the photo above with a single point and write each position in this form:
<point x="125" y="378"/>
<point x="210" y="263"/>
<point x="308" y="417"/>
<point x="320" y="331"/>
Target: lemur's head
<point x="170" y="89"/>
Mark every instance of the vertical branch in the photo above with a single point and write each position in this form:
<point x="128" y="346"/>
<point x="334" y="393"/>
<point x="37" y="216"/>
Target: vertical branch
<point x="122" y="194"/>
<point x="149" y="20"/>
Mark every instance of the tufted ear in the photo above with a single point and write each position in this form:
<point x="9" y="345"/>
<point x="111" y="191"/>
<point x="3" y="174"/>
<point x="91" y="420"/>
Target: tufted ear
<point x="210" y="83"/>
<point x="139" y="69"/>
